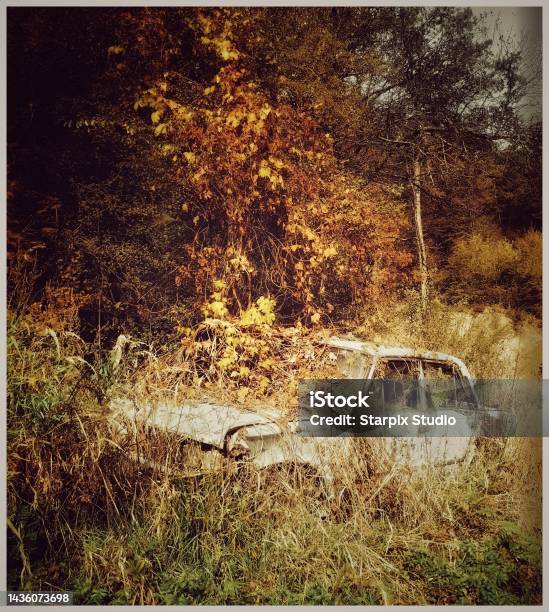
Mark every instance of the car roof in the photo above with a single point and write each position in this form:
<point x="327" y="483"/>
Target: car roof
<point x="379" y="350"/>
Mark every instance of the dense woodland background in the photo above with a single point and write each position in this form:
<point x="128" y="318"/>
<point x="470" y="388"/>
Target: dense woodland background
<point x="194" y="196"/>
<point x="156" y="152"/>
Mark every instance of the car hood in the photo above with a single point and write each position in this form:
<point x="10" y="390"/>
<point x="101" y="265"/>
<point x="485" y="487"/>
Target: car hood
<point x="204" y="422"/>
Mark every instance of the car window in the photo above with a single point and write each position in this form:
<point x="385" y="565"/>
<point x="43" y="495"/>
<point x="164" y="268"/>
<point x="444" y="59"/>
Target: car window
<point x="445" y="386"/>
<point x="397" y="369"/>
<point x="433" y="370"/>
<point x="400" y="381"/>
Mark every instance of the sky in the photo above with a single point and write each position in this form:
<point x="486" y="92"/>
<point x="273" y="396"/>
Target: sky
<point x="524" y="27"/>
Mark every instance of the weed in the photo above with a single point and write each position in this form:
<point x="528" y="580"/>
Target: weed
<point x="86" y="517"/>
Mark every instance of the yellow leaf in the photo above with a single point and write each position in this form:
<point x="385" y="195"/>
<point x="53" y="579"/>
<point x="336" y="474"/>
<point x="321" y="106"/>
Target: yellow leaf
<point x="263" y="383"/>
<point x="234" y="118"/>
<point x="315" y="318"/>
<point x="190" y="156"/>
<point x="224" y="363"/>
<point x="242" y="393"/>
<point x="155" y="117"/>
<point x="264" y="112"/>
<point x="330" y="252"/>
<point x="115" y="50"/>
<point x="276" y="163"/>
<point x="264" y="170"/>
<point x="209" y="90"/>
<point x="276" y="179"/>
<point x="160" y="129"/>
<point x="218" y="309"/>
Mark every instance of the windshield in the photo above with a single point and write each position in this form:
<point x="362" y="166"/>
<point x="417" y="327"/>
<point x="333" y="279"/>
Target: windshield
<point x="442" y="383"/>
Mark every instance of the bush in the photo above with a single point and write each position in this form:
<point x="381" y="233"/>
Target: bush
<point x="485" y="257"/>
<point x="486" y="267"/>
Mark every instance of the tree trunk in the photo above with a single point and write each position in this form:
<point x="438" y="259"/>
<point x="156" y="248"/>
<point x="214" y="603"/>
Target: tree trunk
<point x="422" y="255"/>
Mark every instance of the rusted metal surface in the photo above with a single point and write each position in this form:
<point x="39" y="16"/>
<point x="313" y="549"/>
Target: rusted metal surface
<point x="227" y="433"/>
<point x="378" y="350"/>
<point x="204" y="422"/>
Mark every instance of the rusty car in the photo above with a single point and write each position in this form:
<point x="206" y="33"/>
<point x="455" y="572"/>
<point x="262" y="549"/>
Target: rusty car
<point x="210" y="436"/>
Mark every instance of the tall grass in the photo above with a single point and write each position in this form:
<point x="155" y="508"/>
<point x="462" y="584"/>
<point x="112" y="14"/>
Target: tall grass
<point x="83" y="516"/>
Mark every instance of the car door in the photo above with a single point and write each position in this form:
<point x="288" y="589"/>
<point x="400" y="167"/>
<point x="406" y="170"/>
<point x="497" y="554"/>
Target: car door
<point x="408" y="387"/>
<point x="452" y="393"/>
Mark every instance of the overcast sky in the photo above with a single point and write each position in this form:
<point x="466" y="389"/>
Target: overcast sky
<point x="523" y="26"/>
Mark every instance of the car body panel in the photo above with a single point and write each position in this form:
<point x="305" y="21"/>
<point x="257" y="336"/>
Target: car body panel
<point x="264" y="439"/>
<point x="207" y="423"/>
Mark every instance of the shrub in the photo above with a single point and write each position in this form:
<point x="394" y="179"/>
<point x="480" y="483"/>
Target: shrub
<point x="486" y="267"/>
<point x="485" y="257"/>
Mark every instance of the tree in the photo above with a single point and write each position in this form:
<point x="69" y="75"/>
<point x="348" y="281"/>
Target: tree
<point x="397" y="88"/>
<point x="291" y="154"/>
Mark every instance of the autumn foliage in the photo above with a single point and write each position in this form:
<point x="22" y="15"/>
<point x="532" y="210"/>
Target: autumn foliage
<point x="196" y="197"/>
<point x="272" y="212"/>
<point x="221" y="158"/>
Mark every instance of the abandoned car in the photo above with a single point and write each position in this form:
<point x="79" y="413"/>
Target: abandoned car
<point x="209" y="436"/>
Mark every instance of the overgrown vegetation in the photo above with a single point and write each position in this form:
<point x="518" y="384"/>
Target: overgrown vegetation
<point x="85" y="517"/>
<point x="195" y="197"/>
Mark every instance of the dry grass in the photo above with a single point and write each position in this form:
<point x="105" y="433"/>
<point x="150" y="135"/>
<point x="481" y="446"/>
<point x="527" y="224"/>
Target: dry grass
<point x="85" y="517"/>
